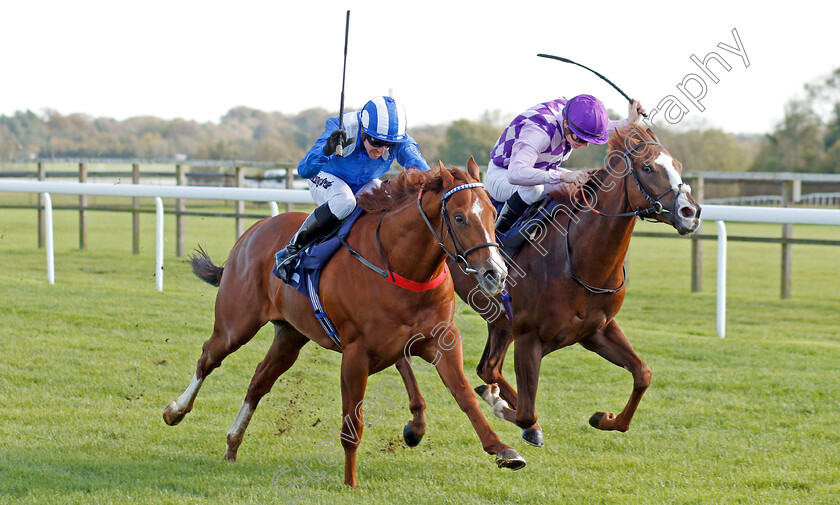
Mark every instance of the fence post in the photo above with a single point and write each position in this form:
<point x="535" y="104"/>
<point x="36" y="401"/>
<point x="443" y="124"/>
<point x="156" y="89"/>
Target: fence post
<point x="42" y="176"/>
<point x="697" y="189"/>
<point x="83" y="201"/>
<point x="180" y="207"/>
<point x="135" y="211"/>
<point x="791" y="193"/>
<point x="50" y="243"/>
<point x="159" y="243"/>
<point x="290" y="180"/>
<point x="240" y="205"/>
<point x="721" y="279"/>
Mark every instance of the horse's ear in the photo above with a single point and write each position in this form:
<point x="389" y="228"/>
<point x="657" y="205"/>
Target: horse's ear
<point x="472" y="169"/>
<point x="445" y="176"/>
<point x="652" y="135"/>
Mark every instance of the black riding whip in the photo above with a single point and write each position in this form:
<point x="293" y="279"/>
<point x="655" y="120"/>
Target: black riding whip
<point x="339" y="149"/>
<point x="566" y="60"/>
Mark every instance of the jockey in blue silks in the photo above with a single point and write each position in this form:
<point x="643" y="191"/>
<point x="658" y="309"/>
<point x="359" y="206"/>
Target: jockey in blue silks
<point x="377" y="137"/>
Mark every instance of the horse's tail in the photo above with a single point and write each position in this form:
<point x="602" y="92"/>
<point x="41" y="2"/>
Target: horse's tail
<point x="204" y="269"/>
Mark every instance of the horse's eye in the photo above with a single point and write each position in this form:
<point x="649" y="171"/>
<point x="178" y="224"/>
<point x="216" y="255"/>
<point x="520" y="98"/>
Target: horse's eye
<point x="459" y="218"/>
<point x="647" y="168"/>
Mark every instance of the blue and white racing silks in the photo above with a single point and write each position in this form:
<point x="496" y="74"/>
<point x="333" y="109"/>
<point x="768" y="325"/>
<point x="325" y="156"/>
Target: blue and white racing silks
<point x="356" y="168"/>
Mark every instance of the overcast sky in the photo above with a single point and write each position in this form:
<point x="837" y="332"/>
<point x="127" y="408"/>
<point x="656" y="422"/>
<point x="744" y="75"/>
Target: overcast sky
<point x="443" y="60"/>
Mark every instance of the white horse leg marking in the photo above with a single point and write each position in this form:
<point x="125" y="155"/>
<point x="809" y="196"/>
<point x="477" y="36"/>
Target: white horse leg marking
<point x="237" y="431"/>
<point x="243" y="417"/>
<point x="189" y="395"/>
<point x="500" y="406"/>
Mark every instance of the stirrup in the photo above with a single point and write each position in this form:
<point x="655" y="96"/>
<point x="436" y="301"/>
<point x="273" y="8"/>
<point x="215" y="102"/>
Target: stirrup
<point x="506" y="220"/>
<point x="314" y="227"/>
<point x="283" y="266"/>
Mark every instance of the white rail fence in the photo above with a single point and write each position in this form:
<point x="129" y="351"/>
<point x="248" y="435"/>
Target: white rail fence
<point x="717" y="213"/>
<point x="272" y="196"/>
<point x="820" y="199"/>
<point x="721" y="213"/>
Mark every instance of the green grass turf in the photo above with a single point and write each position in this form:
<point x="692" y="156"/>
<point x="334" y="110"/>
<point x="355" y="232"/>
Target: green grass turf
<point x="87" y="365"/>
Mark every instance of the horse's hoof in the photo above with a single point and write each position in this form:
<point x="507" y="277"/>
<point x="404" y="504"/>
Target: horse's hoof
<point x="533" y="436"/>
<point x="509" y="458"/>
<point x="230" y="456"/>
<point x="411" y="438"/>
<point x="480" y="390"/>
<point x="607" y="421"/>
<point x="171" y="415"/>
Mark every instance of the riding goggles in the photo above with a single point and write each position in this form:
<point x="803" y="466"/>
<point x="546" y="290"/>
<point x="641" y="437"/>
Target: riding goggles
<point x="375" y="142"/>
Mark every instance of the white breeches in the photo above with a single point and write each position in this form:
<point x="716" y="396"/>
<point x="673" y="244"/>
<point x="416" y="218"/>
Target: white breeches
<point x="501" y="189"/>
<point x="330" y="189"/>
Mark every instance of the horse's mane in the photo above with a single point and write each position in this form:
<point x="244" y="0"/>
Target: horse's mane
<point x="625" y="138"/>
<point x="620" y="141"/>
<point x="400" y="189"/>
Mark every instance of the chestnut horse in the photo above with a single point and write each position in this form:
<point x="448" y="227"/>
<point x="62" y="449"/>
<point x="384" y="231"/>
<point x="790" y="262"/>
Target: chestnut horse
<point x="570" y="283"/>
<point x="410" y="227"/>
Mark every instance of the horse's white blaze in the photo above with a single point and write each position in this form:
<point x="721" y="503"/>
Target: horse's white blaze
<point x="495" y="258"/>
<point x="681" y="191"/>
<point x="673" y="176"/>
<point x="477" y="209"/>
<point x="192" y="390"/>
<point x="243" y="417"/>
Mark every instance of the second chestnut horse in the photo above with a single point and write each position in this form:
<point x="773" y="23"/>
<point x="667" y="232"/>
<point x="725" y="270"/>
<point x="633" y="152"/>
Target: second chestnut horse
<point x="567" y="285"/>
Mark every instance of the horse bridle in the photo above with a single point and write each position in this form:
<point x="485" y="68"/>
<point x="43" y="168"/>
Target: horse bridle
<point x="460" y="254"/>
<point x="655" y="208"/>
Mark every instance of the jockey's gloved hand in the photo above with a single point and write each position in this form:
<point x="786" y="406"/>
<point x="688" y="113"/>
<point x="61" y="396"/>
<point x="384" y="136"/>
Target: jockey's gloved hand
<point x="336" y="137"/>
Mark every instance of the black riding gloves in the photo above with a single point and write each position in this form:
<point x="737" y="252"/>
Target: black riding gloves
<point x="337" y="137"/>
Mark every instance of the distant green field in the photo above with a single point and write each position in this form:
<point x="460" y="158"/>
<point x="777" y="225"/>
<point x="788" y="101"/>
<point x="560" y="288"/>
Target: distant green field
<point x="87" y="365"/>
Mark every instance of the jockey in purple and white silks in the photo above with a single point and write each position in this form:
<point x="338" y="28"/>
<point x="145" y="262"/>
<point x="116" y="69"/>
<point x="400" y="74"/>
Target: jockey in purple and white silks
<point x="525" y="162"/>
<point x="377" y="138"/>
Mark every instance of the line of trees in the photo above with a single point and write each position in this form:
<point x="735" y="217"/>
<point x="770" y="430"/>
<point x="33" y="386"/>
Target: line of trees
<point x="249" y="134"/>
<point x="806" y="140"/>
<point x="242" y="133"/>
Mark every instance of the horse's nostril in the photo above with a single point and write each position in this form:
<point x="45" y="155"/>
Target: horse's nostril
<point x="687" y="212"/>
<point x="491" y="276"/>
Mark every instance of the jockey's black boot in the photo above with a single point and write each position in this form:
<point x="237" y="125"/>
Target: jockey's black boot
<point x="513" y="210"/>
<point x="316" y="225"/>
